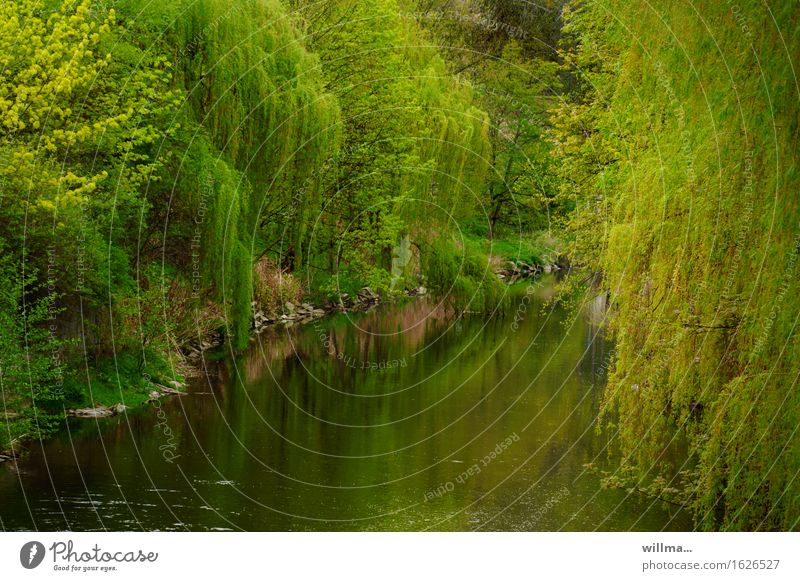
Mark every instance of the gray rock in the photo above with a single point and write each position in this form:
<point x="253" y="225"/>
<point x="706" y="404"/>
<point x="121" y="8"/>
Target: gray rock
<point x="97" y="412"/>
<point x="168" y="390"/>
<point x="8" y="455"/>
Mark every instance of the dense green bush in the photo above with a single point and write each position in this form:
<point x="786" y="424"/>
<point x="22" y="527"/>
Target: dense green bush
<point x="461" y="275"/>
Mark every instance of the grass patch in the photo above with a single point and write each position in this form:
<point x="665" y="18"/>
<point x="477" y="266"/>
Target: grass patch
<point x="534" y="248"/>
<point x="122" y="379"/>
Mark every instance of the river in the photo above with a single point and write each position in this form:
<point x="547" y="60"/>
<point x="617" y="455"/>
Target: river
<point x="403" y="418"/>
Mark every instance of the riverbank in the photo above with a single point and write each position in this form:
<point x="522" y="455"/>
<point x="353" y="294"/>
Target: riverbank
<point x="124" y="382"/>
<point x="119" y="385"/>
<point x="116" y="385"/>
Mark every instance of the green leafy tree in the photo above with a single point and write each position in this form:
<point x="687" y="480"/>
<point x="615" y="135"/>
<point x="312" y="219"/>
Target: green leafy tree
<point x="415" y="146"/>
<point x="31" y="356"/>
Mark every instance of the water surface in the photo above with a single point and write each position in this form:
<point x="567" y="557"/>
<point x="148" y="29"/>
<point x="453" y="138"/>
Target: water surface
<point x="404" y="418"/>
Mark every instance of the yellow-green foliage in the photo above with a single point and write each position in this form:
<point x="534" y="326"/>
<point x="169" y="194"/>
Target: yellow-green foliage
<point x="64" y="99"/>
<point x="76" y="130"/>
<point x="681" y="149"/>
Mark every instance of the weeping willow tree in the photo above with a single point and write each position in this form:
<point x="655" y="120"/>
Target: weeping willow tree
<point x="415" y="146"/>
<point x="256" y="122"/>
<point x="257" y="91"/>
<point x="679" y="149"/>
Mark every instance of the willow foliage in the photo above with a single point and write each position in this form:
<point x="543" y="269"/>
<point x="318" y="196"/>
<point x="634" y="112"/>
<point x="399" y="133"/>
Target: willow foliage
<point x="256" y="122"/>
<point x="679" y="148"/>
<point x="415" y="146"/>
<point x="258" y="93"/>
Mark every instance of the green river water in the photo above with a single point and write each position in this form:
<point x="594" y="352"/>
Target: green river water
<point x="403" y="418"/>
